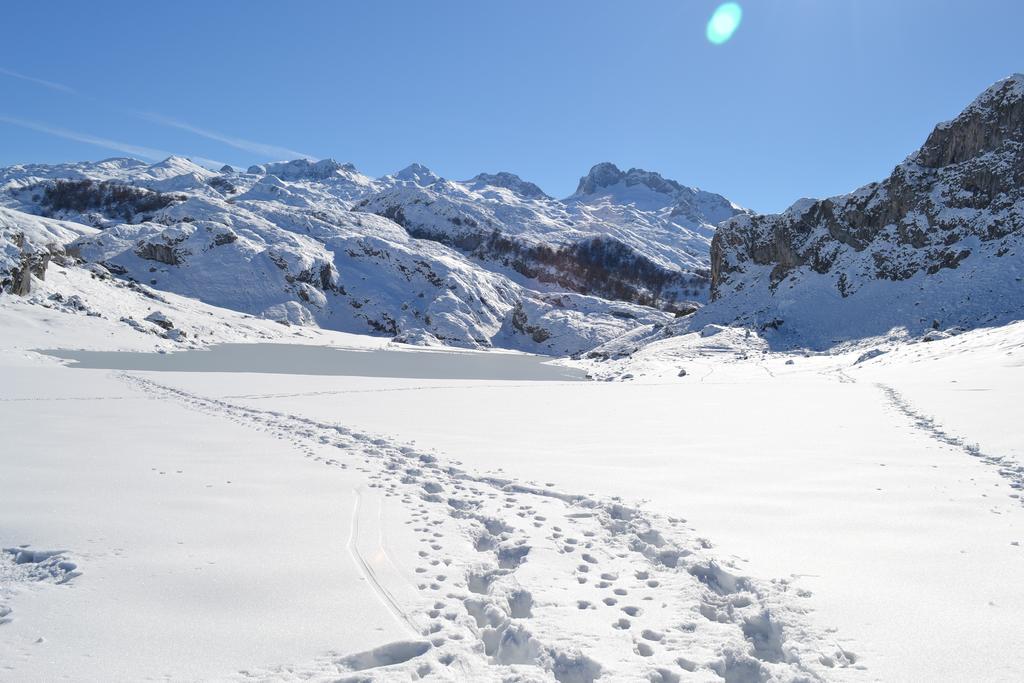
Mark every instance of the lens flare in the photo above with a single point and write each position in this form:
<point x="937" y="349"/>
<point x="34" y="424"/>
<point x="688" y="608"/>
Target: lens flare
<point x="724" y="22"/>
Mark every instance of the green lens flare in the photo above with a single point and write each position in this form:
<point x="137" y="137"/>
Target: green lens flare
<point x="724" y="22"/>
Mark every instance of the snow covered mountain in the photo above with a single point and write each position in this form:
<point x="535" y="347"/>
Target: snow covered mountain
<point x="495" y="261"/>
<point x="938" y="244"/>
<point x="280" y="241"/>
<point x="630" y="236"/>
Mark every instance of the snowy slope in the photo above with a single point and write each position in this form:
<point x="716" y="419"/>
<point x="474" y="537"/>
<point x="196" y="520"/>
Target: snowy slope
<point x="662" y="528"/>
<point x="938" y="244"/>
<point x="248" y="537"/>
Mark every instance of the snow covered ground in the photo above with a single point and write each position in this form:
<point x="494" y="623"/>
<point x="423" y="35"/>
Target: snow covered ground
<point x="764" y="517"/>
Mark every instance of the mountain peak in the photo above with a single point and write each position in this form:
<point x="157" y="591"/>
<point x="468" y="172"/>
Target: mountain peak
<point x="509" y="181"/>
<point x="120" y="162"/>
<point x="175" y="166"/>
<point x="994" y="117"/>
<point x="418" y="174"/>
<point x="1003" y="93"/>
<point x="607" y="174"/>
<point x="604" y="174"/>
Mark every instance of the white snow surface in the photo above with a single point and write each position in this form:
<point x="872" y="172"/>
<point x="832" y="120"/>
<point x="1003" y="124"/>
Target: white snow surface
<point x="660" y="527"/>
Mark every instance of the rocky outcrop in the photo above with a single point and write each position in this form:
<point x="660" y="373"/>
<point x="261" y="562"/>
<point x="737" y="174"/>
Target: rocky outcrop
<point x="956" y="203"/>
<point x="29" y="260"/>
<point x="162" y="249"/>
<point x="30" y="264"/>
<point x="607" y="174"/>
<point x="28" y="245"/>
<point x="966" y="181"/>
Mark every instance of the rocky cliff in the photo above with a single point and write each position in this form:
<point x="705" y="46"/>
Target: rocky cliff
<point x="938" y="243"/>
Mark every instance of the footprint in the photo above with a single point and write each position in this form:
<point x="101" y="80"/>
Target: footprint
<point x="644" y="650"/>
<point x="622" y="624"/>
<point x="632" y="611"/>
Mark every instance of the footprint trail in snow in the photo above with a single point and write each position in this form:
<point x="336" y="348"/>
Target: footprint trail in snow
<point x="518" y="582"/>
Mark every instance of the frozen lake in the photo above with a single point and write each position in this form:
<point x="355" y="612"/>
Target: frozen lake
<point x="297" y="359"/>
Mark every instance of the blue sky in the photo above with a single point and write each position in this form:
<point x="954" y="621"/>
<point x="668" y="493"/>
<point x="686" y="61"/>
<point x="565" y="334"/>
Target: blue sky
<point x="808" y="98"/>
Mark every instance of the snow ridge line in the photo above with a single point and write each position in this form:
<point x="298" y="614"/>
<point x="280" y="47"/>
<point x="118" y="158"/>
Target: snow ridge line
<point x="758" y="629"/>
<point x="1005" y="466"/>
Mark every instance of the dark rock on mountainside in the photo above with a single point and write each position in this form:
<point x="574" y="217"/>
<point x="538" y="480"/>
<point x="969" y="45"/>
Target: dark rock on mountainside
<point x="953" y="210"/>
<point x="599" y="265"/>
<point x="966" y="181"/>
<point x="111" y="199"/>
<point x="32" y="261"/>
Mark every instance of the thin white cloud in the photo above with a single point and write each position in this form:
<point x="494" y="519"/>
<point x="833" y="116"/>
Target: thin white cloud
<point x="258" y="148"/>
<point x="39" y="81"/>
<point x="134" y="150"/>
<point x="262" y="149"/>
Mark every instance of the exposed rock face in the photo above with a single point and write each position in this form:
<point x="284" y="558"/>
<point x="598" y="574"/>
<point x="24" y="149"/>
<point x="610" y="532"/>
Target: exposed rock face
<point x="24" y="259"/>
<point x="32" y="262"/>
<point x="159" y="252"/>
<point x="954" y="209"/>
<point x="650" y="191"/>
<point x="606" y="174"/>
<point x="27" y="246"/>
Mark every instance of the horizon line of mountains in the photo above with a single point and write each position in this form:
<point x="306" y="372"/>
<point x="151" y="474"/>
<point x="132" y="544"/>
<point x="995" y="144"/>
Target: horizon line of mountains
<point x="495" y="261"/>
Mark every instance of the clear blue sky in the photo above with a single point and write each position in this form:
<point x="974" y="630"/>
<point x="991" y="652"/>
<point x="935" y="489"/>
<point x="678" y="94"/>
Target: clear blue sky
<point x="809" y="97"/>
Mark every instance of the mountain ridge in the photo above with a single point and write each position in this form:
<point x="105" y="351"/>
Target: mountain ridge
<point x="494" y="260"/>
